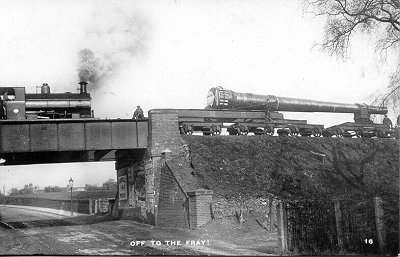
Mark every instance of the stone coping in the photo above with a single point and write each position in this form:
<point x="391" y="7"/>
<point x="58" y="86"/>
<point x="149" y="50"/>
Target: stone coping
<point x="200" y="192"/>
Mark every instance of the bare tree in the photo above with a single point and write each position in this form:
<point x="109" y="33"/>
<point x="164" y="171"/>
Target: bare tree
<point x="110" y="184"/>
<point x="344" y="18"/>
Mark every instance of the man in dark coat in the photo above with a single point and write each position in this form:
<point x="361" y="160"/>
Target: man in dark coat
<point x="386" y="121"/>
<point x="138" y="114"/>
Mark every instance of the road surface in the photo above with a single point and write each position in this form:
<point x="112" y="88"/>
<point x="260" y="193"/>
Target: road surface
<point x="27" y="231"/>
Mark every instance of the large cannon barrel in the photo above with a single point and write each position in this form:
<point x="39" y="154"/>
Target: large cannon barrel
<point x="220" y="98"/>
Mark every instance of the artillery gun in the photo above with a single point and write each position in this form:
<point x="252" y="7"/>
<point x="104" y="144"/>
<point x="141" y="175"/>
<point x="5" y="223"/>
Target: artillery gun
<point x="219" y="98"/>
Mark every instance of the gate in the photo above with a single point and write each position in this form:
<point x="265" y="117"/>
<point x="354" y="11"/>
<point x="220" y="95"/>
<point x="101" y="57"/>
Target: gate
<point x="311" y="227"/>
<point x="358" y="226"/>
<point x="390" y="205"/>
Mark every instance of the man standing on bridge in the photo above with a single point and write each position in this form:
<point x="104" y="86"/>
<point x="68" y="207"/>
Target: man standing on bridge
<point x="138" y="114"/>
<point x="386" y="121"/>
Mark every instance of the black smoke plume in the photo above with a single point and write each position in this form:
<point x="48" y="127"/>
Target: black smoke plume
<point x="89" y="66"/>
<point x="112" y="45"/>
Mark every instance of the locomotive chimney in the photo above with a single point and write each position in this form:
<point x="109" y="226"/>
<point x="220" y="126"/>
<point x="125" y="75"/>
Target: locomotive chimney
<point x="82" y="88"/>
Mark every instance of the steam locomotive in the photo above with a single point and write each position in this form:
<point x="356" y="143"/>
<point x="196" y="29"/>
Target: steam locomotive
<point x="271" y="120"/>
<point x="18" y="105"/>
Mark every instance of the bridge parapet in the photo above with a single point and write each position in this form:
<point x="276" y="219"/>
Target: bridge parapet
<point x="72" y="135"/>
<point x="164" y="132"/>
<point x="69" y="140"/>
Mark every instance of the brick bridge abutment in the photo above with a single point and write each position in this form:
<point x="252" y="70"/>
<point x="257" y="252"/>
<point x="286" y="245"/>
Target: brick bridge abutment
<point x="157" y="185"/>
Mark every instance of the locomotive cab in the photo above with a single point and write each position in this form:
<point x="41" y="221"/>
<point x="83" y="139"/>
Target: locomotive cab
<point x="12" y="103"/>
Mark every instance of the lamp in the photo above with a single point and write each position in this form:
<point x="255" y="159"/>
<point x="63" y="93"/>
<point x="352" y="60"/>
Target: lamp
<point x="71" y="183"/>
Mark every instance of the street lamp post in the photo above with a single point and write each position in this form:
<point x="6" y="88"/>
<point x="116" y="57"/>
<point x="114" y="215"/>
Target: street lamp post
<point x="71" y="183"/>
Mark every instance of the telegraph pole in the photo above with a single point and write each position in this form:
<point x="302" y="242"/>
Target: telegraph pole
<point x="397" y="135"/>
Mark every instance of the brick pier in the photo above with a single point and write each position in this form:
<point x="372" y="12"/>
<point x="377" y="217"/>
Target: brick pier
<point x="157" y="185"/>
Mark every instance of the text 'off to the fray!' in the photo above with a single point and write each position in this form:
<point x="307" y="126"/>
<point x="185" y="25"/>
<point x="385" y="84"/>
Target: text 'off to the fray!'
<point x="169" y="242"/>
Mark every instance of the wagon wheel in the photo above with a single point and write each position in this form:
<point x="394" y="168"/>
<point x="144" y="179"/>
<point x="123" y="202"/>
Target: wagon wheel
<point x="232" y="132"/>
<point x="379" y="133"/>
<point x="326" y="133"/>
<point x="269" y="130"/>
<point x="283" y="132"/>
<point x="212" y="130"/>
<point x="316" y="132"/>
<point x="360" y="133"/>
<point x="182" y="129"/>
<point x="189" y="129"/>
<point x="218" y="130"/>
<point x="215" y="130"/>
<point x="259" y="131"/>
<point x="339" y="132"/>
<point x="348" y="135"/>
<point x="293" y="131"/>
<point x="244" y="130"/>
<point x="186" y="129"/>
<point x="270" y="133"/>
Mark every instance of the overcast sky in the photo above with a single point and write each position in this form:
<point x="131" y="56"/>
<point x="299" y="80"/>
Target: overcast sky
<point x="168" y="54"/>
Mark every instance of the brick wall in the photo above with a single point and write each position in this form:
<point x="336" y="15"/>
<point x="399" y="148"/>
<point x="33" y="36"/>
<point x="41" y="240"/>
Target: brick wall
<point x="81" y="206"/>
<point x="199" y="207"/>
<point x="165" y="198"/>
<point x="164" y="133"/>
<point x="152" y="171"/>
<point x="163" y="128"/>
<point x="173" y="209"/>
<point x="140" y="177"/>
<point x="134" y="213"/>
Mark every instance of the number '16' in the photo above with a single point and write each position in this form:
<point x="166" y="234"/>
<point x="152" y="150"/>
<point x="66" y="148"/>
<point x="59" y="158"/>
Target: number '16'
<point x="369" y="241"/>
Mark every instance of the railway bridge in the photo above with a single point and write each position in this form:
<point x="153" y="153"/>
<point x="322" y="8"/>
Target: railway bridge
<point x="155" y="180"/>
<point x="69" y="140"/>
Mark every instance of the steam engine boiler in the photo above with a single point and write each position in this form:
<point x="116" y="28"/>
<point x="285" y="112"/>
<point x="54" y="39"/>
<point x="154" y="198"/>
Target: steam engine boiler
<point x="18" y="105"/>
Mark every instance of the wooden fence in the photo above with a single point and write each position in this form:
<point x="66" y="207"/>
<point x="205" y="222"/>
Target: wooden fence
<point x="365" y="226"/>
